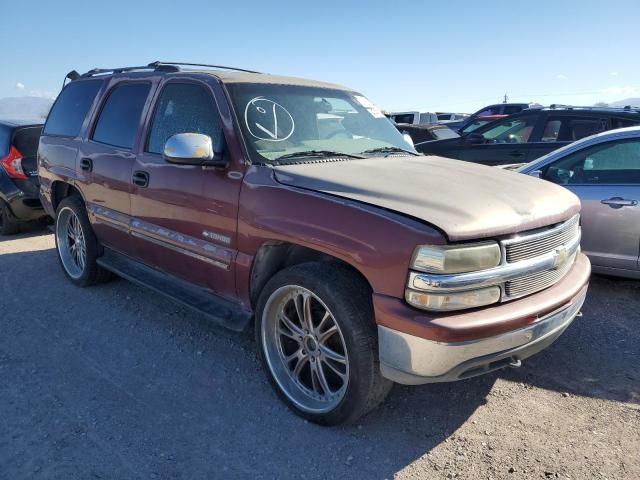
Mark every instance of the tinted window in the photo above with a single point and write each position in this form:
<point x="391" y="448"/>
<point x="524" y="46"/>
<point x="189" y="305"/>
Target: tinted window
<point x="403" y="118"/>
<point x="609" y="163"/>
<point x="511" y="109"/>
<point x="570" y="128"/>
<point x="511" y="131"/>
<point x="120" y="115"/>
<point x="491" y="110"/>
<point x="71" y="107"/>
<point x="183" y="108"/>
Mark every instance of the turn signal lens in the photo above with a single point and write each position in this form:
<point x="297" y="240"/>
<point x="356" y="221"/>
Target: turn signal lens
<point x="443" y="302"/>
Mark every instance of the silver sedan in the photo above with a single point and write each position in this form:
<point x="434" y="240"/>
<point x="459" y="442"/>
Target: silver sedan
<point x="604" y="171"/>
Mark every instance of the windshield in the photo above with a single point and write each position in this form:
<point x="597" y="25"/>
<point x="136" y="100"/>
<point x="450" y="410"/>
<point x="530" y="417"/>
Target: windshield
<point x="284" y="121"/>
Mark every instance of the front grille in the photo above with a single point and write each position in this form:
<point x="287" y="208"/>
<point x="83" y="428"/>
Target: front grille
<point x="535" y="282"/>
<point x="540" y="243"/>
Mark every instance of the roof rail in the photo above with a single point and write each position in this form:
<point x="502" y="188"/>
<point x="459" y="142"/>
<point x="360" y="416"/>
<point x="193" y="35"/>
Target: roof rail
<point x="99" y="71"/>
<point x="159" y="64"/>
<point x="626" y="108"/>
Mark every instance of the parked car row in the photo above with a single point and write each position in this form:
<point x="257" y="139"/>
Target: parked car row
<point x="269" y="202"/>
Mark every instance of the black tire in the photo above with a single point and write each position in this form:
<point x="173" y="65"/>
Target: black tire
<point x="348" y="299"/>
<point x="8" y="224"/>
<point x="91" y="273"/>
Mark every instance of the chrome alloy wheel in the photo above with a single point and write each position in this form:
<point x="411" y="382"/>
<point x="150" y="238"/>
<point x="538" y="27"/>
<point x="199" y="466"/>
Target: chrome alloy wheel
<point x="305" y="349"/>
<point x="72" y="246"/>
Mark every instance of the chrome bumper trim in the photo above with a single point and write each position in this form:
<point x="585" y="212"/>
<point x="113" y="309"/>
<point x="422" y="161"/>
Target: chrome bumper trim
<point x="413" y="360"/>
<point x="494" y="276"/>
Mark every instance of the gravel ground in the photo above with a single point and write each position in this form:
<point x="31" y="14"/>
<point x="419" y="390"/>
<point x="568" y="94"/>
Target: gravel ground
<point x="115" y="382"/>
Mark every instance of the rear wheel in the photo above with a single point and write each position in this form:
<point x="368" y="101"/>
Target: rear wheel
<point x="76" y="244"/>
<point x="318" y="342"/>
<point x="8" y="224"/>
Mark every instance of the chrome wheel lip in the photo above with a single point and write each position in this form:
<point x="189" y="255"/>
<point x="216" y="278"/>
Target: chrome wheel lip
<point x="71" y="243"/>
<point x="300" y="395"/>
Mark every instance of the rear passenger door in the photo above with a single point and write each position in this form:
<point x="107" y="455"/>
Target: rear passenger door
<point x="560" y="130"/>
<point x="606" y="177"/>
<point x="107" y="160"/>
<point x="185" y="218"/>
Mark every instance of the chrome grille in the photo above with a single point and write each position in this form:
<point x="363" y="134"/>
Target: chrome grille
<point x="536" y="244"/>
<point x="535" y="282"/>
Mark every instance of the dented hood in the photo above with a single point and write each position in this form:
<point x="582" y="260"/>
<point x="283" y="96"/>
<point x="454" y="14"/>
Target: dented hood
<point x="465" y="200"/>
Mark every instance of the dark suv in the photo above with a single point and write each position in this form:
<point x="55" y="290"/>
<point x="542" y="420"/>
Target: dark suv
<point x="532" y="133"/>
<point x="19" y="199"/>
<point x="296" y="207"/>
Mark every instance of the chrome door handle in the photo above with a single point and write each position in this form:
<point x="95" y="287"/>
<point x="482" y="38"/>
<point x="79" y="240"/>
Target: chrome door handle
<point x="617" y="202"/>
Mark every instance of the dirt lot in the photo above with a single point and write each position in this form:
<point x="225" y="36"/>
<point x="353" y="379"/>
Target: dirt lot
<point x="116" y="382"/>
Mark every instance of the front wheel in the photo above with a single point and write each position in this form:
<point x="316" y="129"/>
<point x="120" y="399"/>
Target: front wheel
<point x="318" y="342"/>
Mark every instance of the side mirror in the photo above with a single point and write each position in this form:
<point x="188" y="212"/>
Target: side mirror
<point x="473" y="138"/>
<point x="535" y="173"/>
<point x="192" y="149"/>
<point x="407" y="138"/>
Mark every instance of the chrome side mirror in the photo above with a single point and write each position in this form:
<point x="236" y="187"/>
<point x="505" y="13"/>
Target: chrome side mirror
<point x="535" y="173"/>
<point x="192" y="149"/>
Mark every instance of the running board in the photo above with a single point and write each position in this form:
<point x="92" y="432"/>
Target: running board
<point x="221" y="311"/>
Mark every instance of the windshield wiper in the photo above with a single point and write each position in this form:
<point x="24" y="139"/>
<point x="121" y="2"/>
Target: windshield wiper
<point x="388" y="150"/>
<point x="316" y="154"/>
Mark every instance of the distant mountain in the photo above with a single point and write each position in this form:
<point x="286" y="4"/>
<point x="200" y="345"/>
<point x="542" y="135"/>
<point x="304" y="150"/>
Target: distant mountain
<point x="25" y="107"/>
<point x="634" y="102"/>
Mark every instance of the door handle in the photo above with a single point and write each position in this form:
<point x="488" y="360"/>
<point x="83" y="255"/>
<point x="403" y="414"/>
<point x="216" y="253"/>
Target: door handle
<point x="140" y="179"/>
<point x="617" y="202"/>
<point x="86" y="164"/>
<point x="517" y="153"/>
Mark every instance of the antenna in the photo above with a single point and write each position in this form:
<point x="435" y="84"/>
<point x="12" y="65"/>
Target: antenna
<point x="506" y="98"/>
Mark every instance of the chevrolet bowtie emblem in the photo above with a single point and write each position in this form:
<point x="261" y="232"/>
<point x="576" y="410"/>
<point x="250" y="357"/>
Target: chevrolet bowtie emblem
<point x="560" y="257"/>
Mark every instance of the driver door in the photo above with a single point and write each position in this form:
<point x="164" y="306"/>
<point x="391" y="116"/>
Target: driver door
<point x="185" y="216"/>
<point x="504" y="142"/>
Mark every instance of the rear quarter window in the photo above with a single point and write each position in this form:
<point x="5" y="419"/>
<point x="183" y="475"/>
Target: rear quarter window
<point x="71" y="107"/>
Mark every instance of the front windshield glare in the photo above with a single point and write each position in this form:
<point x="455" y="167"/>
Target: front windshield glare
<point x="283" y="121"/>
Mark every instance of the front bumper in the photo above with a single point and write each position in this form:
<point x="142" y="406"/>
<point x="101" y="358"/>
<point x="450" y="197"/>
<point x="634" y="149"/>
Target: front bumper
<point x="509" y="333"/>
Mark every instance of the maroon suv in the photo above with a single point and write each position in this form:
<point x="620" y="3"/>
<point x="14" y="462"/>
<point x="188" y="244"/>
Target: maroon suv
<point x="296" y="208"/>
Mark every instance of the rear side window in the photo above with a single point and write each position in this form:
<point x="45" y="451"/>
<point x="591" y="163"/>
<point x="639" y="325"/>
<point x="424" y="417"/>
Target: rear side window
<point x="25" y="139"/>
<point x="570" y="129"/>
<point x="120" y="115"/>
<point x="183" y="108"/>
<point x="71" y="107"/>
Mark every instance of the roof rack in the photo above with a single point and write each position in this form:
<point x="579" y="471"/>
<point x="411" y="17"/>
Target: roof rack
<point x="186" y="64"/>
<point x="626" y="108"/>
<point x="157" y="66"/>
<point x="150" y="67"/>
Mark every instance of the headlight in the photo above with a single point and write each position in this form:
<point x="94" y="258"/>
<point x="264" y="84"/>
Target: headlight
<point x="456" y="258"/>
<point x="443" y="302"/>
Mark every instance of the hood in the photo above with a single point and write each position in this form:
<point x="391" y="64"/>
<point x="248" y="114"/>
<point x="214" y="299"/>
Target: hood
<point x="465" y="200"/>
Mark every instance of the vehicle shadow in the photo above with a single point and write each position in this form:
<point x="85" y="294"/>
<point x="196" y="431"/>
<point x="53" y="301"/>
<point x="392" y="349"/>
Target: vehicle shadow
<point x="117" y="382"/>
<point x="599" y="355"/>
<point x="28" y="230"/>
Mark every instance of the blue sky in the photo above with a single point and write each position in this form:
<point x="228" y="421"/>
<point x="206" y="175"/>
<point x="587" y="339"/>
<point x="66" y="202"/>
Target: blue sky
<point x="446" y="55"/>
